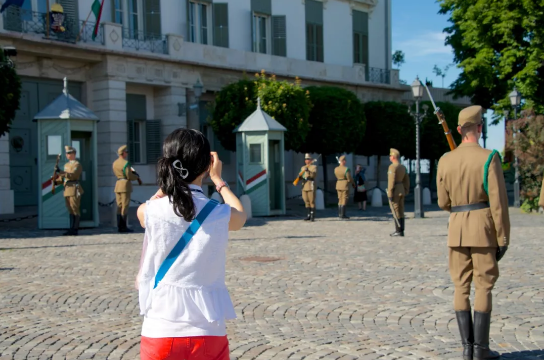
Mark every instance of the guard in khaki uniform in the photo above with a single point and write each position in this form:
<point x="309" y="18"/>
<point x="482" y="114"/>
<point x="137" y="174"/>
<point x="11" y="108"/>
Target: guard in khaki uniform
<point x="343" y="180"/>
<point x="470" y="185"/>
<point x="123" y="187"/>
<point x="308" y="177"/>
<point x="398" y="186"/>
<point x="541" y="199"/>
<point x="72" y="189"/>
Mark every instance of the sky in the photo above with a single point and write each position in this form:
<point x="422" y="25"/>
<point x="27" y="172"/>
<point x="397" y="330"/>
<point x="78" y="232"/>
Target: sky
<point x="417" y="31"/>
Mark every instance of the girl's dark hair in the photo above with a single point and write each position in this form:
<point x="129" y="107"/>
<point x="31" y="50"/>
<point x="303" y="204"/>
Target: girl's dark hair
<point x="193" y="150"/>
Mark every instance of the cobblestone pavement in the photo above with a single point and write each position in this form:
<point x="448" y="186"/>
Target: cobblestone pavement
<point x="328" y="290"/>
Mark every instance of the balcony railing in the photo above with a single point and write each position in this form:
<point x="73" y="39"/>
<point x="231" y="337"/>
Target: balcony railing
<point x="25" y="21"/>
<point x="140" y="40"/>
<point x="379" y="76"/>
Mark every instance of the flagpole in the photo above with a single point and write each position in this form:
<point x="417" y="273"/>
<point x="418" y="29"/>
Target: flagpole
<point x="48" y="25"/>
<point x="83" y="26"/>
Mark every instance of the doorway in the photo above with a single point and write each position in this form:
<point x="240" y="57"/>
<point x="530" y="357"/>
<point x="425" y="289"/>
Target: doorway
<point x="81" y="141"/>
<point x="275" y="179"/>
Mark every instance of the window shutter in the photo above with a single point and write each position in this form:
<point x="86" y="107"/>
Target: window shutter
<point x="117" y="11"/>
<point x="130" y="139"/>
<point x="153" y="18"/>
<point x="360" y="37"/>
<point x="261" y="6"/>
<point x="319" y="43"/>
<point x="71" y="18"/>
<point x="314" y="12"/>
<point x="153" y="140"/>
<point x="253" y="33"/>
<point x="279" y="34"/>
<point x="221" y="24"/>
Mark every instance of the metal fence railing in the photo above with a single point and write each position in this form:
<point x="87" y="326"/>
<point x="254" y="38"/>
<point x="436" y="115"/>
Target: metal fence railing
<point x="26" y="21"/>
<point x="380" y="76"/>
<point x="140" y="40"/>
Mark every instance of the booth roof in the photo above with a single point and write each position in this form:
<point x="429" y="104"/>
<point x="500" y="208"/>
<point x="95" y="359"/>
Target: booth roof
<point x="259" y="121"/>
<point x="66" y="107"/>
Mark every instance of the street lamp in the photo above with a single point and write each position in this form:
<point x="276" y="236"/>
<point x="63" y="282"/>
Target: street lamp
<point x="515" y="101"/>
<point x="417" y="92"/>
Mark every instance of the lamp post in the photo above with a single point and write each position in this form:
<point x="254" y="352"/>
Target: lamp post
<point x="417" y="92"/>
<point x="515" y="101"/>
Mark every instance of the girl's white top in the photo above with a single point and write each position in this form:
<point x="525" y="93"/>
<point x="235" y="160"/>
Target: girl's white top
<point x="192" y="298"/>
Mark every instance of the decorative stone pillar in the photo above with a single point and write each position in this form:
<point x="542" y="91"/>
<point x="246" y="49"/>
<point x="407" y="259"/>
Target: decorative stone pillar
<point x="109" y="104"/>
<point x="113" y="36"/>
<point x="170" y="108"/>
<point x="6" y="194"/>
<point x="175" y="45"/>
<point x="395" y="77"/>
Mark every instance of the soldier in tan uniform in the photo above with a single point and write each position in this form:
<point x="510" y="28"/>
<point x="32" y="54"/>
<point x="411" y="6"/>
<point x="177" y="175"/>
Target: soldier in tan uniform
<point x="343" y="180"/>
<point x="72" y="189"/>
<point x="470" y="185"/>
<point x="309" y="187"/>
<point x="398" y="186"/>
<point x="541" y="199"/>
<point x="123" y="187"/>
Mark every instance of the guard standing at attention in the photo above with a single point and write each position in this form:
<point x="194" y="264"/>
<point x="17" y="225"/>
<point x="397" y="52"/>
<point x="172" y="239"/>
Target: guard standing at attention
<point x="343" y="180"/>
<point x="72" y="189"/>
<point x="123" y="187"/>
<point x="398" y="186"/>
<point x="309" y="177"/>
<point x="541" y="199"/>
<point x="470" y="185"/>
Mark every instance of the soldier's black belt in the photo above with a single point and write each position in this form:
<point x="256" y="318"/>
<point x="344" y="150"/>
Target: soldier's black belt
<point x="72" y="182"/>
<point x="399" y="183"/>
<point x="470" y="207"/>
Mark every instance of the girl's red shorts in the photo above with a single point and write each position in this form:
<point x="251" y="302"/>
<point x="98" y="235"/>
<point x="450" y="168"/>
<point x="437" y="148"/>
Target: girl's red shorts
<point x="185" y="348"/>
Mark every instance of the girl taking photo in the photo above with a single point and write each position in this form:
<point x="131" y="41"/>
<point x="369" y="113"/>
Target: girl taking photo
<point x="181" y="282"/>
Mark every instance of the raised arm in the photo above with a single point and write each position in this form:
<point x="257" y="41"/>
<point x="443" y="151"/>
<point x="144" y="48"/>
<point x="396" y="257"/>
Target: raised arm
<point x="498" y="201"/>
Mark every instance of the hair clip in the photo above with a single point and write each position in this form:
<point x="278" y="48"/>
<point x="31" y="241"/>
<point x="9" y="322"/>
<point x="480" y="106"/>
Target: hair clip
<point x="180" y="169"/>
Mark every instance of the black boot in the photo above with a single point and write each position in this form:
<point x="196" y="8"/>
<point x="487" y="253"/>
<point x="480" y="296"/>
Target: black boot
<point x="343" y="212"/>
<point x="397" y="230"/>
<point x="482" y="321"/>
<point x="309" y="216"/>
<point x="340" y="211"/>
<point x="75" y="228"/>
<point x="312" y="214"/>
<point x="125" y="227"/>
<point x="119" y="223"/>
<point x="70" y="230"/>
<point x="464" y="322"/>
<point x="401" y="221"/>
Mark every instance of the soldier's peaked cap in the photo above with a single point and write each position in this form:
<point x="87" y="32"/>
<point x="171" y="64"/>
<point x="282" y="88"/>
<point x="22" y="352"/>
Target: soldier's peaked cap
<point x="308" y="157"/>
<point x="343" y="157"/>
<point x="394" y="152"/>
<point x="471" y="115"/>
<point x="69" y="149"/>
<point x="122" y="149"/>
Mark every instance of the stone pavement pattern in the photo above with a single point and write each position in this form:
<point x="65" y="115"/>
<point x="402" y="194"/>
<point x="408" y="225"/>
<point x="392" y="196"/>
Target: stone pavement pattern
<point x="328" y="290"/>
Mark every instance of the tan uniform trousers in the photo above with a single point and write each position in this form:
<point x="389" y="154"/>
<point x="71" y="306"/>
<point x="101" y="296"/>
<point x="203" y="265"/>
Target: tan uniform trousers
<point x="123" y="202"/>
<point x="343" y="196"/>
<point x="72" y="204"/>
<point x="309" y="198"/>
<point x="478" y="264"/>
<point x="398" y="206"/>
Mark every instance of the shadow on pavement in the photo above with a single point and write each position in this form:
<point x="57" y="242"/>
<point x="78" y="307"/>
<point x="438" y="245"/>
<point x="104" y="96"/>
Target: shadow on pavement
<point x="524" y="355"/>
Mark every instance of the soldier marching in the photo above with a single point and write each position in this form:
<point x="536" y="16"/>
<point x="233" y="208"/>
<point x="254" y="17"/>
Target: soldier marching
<point x="398" y="186"/>
<point x="123" y="187"/>
<point x="471" y="186"/>
<point x="69" y="176"/>
<point x="343" y="181"/>
<point x="308" y="175"/>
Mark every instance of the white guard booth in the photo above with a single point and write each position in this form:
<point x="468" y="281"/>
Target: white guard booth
<point x="260" y="163"/>
<point x="66" y="121"/>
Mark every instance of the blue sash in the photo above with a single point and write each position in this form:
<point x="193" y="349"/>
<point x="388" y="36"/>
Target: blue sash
<point x="184" y="240"/>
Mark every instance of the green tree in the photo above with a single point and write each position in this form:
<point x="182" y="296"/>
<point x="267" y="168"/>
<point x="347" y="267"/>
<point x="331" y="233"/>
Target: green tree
<point x="495" y="43"/>
<point x="286" y="102"/>
<point x="398" y="58"/>
<point x="388" y="125"/>
<point x="10" y="83"/>
<point x="289" y="104"/>
<point x="337" y="121"/>
<point x="529" y="148"/>
<point x="441" y="72"/>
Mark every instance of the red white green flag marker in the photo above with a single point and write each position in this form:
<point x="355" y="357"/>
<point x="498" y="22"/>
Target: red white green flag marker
<point x="96" y="8"/>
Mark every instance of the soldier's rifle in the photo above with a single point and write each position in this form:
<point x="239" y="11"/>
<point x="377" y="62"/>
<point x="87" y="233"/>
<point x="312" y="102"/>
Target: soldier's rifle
<point x="302" y="171"/>
<point x="54" y="177"/>
<point x="442" y="121"/>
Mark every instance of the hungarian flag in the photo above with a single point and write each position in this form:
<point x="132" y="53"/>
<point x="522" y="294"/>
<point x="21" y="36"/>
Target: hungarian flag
<point x="96" y="8"/>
